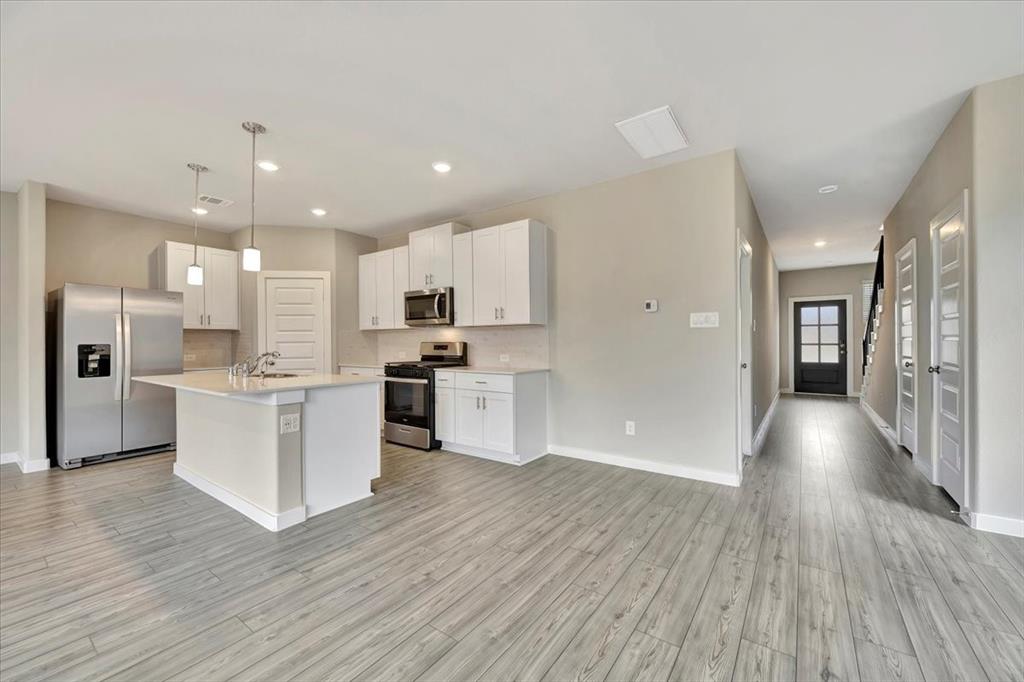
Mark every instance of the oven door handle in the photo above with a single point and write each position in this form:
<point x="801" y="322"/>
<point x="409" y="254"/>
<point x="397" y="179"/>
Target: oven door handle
<point x="405" y="380"/>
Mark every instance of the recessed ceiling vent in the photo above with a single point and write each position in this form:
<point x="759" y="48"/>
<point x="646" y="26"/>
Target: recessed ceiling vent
<point x="654" y="133"/>
<point x="214" y="201"/>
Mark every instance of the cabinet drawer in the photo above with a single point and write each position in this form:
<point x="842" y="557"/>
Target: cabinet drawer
<point x="499" y="383"/>
<point x="361" y="371"/>
<point x="444" y="379"/>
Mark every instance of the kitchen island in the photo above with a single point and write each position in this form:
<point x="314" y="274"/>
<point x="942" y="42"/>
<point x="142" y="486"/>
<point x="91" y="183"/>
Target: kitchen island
<point x="278" y="450"/>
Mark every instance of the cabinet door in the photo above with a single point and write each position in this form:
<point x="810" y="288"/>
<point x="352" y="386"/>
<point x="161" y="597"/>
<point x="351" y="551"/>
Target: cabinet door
<point x="487" y="276"/>
<point x="444" y="414"/>
<point x="401" y="284"/>
<point x="515" y="265"/>
<point x="221" y="283"/>
<point x="499" y="424"/>
<point x="385" y="276"/>
<point x="441" y="257"/>
<point x="368" y="291"/>
<point x="462" y="278"/>
<point x="469" y="418"/>
<point x="177" y="258"/>
<point x="421" y="258"/>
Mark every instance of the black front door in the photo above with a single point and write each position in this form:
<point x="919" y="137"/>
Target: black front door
<point x="819" y="347"/>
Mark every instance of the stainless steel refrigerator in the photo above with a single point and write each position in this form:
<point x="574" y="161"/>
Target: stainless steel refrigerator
<point x="97" y="339"/>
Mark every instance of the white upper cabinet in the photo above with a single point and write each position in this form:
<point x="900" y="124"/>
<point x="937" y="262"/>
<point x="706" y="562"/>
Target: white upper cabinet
<point x="211" y="305"/>
<point x="462" y="278"/>
<point x="510" y="274"/>
<point x="382" y="286"/>
<point x="430" y="256"/>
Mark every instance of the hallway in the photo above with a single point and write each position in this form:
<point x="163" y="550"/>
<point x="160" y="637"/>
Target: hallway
<point x="834" y="561"/>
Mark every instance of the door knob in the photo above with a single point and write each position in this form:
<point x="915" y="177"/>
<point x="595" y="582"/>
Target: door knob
<point x="743" y="365"/>
<point x="908" y="363"/>
<point x="937" y="369"/>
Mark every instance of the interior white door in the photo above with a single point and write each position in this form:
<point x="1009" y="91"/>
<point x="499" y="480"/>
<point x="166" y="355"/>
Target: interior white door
<point x="746" y="357"/>
<point x="368" y="291"/>
<point x="469" y="418"/>
<point x="499" y="421"/>
<point x="401" y="284"/>
<point x="421" y="258"/>
<point x="906" y="369"/>
<point x="221" y="281"/>
<point x="295" y="324"/>
<point x="948" y="327"/>
<point x="444" y="414"/>
<point x="487" y="276"/>
<point x="176" y="262"/>
<point x="385" y="275"/>
<point x="515" y="256"/>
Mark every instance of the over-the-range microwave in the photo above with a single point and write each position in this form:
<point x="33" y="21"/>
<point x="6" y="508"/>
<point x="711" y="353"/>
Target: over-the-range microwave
<point x="429" y="307"/>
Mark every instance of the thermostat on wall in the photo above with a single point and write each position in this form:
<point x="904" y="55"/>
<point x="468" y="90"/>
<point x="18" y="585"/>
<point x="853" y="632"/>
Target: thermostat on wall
<point x="651" y="305"/>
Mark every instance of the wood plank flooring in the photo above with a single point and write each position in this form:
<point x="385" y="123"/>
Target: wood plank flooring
<point x="835" y="560"/>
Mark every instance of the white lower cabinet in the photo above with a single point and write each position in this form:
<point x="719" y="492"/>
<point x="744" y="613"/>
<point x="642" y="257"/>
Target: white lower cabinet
<point x="366" y="371"/>
<point x="496" y="416"/>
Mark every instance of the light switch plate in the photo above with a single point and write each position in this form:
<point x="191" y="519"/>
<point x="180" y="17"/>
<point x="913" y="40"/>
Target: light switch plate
<point x="290" y="423"/>
<point x="651" y="305"/>
<point x="190" y="357"/>
<point x="630" y="428"/>
<point x="704" y="319"/>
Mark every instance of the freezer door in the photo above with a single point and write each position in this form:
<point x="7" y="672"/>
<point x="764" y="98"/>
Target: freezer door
<point x="153" y="337"/>
<point x="89" y="394"/>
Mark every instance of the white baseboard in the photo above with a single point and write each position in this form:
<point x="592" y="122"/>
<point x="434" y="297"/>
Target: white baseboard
<point x="646" y="465"/>
<point x="924" y="467"/>
<point x="482" y="453"/>
<point x="313" y="510"/>
<point x="880" y="424"/>
<point x="9" y="457"/>
<point x="762" y="430"/>
<point x="29" y="466"/>
<point x="1003" y="525"/>
<point x="268" y="520"/>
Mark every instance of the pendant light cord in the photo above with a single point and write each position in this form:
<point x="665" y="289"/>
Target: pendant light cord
<point x="195" y="223"/>
<point x="252" y="188"/>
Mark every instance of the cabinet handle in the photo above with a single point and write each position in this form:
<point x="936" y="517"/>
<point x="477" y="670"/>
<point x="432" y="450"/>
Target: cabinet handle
<point x="209" y="319"/>
<point x="485" y="402"/>
<point x="426" y="279"/>
<point x="503" y="312"/>
<point x="495" y="313"/>
<point x="478" y="402"/>
<point x="479" y="382"/>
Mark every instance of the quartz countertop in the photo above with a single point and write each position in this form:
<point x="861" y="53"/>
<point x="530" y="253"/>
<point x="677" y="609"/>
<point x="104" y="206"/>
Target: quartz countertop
<point x="362" y="365"/>
<point x="494" y="370"/>
<point x="219" y="383"/>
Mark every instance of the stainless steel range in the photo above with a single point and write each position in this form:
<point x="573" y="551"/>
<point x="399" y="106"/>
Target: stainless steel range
<point x="409" y="394"/>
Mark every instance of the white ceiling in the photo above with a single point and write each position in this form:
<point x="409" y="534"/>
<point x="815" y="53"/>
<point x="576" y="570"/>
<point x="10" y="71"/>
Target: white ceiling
<point x="108" y="102"/>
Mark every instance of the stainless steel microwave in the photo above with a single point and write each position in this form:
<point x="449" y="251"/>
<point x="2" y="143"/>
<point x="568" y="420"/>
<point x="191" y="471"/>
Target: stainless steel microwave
<point x="429" y="307"/>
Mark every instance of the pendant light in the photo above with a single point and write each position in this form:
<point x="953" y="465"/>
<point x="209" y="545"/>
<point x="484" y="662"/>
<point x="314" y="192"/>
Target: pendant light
<point x="195" y="271"/>
<point x="250" y="254"/>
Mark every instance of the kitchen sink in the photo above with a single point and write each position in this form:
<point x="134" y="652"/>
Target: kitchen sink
<point x="277" y="375"/>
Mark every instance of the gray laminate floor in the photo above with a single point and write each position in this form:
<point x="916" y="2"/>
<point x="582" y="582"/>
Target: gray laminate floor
<point x="834" y="561"/>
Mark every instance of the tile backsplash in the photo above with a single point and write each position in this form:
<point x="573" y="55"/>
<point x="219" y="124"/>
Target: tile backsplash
<point x="525" y="346"/>
<point x="208" y="348"/>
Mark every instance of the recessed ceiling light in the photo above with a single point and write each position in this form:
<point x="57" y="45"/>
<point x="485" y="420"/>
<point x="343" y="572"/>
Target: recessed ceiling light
<point x="820" y="243"/>
<point x="318" y="212"/>
<point x="827" y="189"/>
<point x="199" y="211"/>
<point x="268" y="166"/>
<point x="442" y="166"/>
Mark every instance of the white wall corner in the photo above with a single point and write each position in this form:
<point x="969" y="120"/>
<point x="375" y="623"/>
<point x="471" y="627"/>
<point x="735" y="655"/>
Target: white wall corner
<point x="10" y="458"/>
<point x="679" y="470"/>
<point x="1003" y="525"/>
<point x="766" y="422"/>
<point x="268" y="520"/>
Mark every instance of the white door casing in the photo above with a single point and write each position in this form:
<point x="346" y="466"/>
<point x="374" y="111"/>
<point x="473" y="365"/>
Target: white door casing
<point x="950" y="435"/>
<point x="294" y="318"/>
<point x="906" y="337"/>
<point x="744" y="309"/>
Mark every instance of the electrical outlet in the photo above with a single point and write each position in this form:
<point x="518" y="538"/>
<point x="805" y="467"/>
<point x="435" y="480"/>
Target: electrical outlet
<point x="503" y="357"/>
<point x="289" y="423"/>
<point x="630" y="428"/>
<point x="401" y="355"/>
<point x="190" y="357"/>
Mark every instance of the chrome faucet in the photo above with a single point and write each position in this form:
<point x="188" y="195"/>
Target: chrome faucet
<point x="251" y="365"/>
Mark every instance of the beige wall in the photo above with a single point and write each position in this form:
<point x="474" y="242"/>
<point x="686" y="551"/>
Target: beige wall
<point x="842" y="280"/>
<point x="946" y="171"/>
<point x="31" y="317"/>
<point x="997" y="246"/>
<point x="764" y="284"/>
<point x="308" y="248"/>
<point x="9" y="326"/>
<point x="669" y="234"/>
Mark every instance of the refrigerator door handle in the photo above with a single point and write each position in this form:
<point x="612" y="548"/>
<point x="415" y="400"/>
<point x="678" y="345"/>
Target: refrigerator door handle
<point x="118" y="358"/>
<point x="127" y="381"/>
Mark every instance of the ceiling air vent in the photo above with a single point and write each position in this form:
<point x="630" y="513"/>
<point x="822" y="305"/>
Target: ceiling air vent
<point x="654" y="133"/>
<point x="214" y="201"/>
